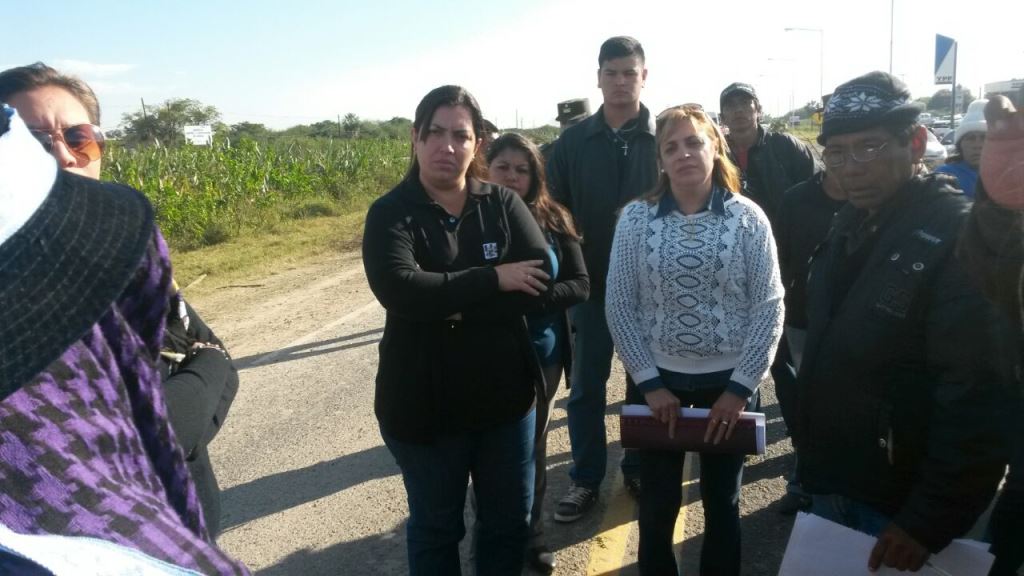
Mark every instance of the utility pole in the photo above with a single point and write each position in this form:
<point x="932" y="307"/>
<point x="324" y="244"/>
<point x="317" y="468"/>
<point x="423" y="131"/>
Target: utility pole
<point x="821" y="57"/>
<point x="892" y="14"/>
<point x="952" y="106"/>
<point x="144" y="116"/>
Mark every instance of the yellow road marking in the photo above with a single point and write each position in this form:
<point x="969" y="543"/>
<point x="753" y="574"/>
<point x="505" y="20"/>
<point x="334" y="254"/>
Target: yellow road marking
<point x="608" y="547"/>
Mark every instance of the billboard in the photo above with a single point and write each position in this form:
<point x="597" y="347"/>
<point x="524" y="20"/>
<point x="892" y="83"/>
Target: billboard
<point x="199" y="135"/>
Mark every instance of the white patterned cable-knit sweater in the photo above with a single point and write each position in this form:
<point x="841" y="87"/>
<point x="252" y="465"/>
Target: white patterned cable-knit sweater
<point x="695" y="294"/>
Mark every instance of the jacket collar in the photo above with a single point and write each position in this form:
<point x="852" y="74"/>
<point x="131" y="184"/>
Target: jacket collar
<point x="595" y="124"/>
<point x="762" y="136"/>
<point x="917" y="191"/>
<point x="413" y="190"/>
<point x="716" y="202"/>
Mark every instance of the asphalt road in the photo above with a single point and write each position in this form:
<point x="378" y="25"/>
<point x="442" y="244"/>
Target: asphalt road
<point x="309" y="488"/>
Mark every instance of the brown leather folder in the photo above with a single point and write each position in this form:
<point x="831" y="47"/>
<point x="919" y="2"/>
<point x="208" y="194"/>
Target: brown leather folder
<point x="639" y="429"/>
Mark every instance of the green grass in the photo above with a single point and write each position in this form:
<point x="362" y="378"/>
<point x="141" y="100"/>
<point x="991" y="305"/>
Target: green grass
<point x="284" y="245"/>
<point x="806" y="132"/>
<point x="205" y="196"/>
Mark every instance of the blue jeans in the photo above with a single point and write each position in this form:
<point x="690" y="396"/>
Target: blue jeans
<point x="721" y="476"/>
<point x="552" y="377"/>
<point x="588" y="398"/>
<point x="850" y="513"/>
<point x="436" y="475"/>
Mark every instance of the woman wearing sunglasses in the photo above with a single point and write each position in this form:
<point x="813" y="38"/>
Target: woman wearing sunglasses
<point x="61" y="112"/>
<point x="694" y="306"/>
<point x="200" y="380"/>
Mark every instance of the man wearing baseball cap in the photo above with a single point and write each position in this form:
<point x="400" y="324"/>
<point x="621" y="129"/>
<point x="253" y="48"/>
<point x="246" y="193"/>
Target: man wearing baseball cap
<point x="901" y="391"/>
<point x="770" y="163"/>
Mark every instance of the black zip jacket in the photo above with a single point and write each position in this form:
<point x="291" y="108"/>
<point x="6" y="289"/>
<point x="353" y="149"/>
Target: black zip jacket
<point x="455" y="355"/>
<point x="775" y="163"/>
<point x="590" y="174"/>
<point x="804" y="219"/>
<point x="900" y="394"/>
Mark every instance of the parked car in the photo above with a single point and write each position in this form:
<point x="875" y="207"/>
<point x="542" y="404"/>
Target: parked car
<point x="947" y="141"/>
<point x="926" y="118"/>
<point x="934" y="152"/>
<point x="940" y="127"/>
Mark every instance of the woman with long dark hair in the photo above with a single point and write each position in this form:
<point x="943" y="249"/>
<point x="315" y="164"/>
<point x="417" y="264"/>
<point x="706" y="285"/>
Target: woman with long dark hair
<point x="457" y="262"/>
<point x="516" y="163"/>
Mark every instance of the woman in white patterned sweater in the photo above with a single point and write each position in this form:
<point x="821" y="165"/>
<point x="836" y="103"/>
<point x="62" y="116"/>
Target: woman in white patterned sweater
<point x="695" y="309"/>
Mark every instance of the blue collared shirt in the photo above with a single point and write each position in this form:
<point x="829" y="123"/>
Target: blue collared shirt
<point x="716" y="202"/>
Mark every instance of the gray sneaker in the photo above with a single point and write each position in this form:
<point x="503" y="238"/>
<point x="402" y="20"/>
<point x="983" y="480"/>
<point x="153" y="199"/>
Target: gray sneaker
<point x="577" y="502"/>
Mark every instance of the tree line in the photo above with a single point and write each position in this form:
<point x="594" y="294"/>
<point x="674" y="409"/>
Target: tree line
<point x="163" y="124"/>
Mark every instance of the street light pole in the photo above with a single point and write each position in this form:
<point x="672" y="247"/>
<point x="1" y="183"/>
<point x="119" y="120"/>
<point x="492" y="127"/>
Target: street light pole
<point x="821" y="56"/>
<point x="892" y="18"/>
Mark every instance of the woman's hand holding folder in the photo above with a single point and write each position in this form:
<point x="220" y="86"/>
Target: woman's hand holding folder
<point x="723" y="416"/>
<point x="664" y="407"/>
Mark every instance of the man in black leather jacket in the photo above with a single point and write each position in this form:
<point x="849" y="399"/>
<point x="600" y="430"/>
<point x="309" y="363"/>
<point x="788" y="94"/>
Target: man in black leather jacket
<point x="901" y="392"/>
<point x="770" y="163"/>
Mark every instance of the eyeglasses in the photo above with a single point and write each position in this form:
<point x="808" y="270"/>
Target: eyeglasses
<point x="85" y="141"/>
<point x="863" y="154"/>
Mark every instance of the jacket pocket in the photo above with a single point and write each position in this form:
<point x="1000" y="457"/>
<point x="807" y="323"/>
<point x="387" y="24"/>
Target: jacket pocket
<point x="906" y="269"/>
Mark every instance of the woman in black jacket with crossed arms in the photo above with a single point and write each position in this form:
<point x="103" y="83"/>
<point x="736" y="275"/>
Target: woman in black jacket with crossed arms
<point x="457" y="262"/>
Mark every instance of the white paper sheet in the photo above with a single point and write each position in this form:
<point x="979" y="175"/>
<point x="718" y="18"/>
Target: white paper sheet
<point x="820" y="546"/>
<point x="80" y="556"/>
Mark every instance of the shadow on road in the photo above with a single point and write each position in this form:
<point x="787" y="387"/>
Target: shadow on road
<point x="301" y="351"/>
<point x="277" y="492"/>
<point x="379" y="554"/>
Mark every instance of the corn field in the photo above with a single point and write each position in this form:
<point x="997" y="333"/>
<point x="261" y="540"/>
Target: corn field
<point x="207" y="194"/>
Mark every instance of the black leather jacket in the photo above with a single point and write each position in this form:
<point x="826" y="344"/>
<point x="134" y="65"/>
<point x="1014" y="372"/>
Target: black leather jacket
<point x="776" y="163"/>
<point x="901" y="392"/>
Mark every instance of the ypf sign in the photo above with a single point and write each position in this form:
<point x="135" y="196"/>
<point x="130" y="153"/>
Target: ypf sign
<point x="945" y="59"/>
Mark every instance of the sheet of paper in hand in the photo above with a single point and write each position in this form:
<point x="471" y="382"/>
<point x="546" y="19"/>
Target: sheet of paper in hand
<point x="639" y="429"/>
<point x="820" y="546"/>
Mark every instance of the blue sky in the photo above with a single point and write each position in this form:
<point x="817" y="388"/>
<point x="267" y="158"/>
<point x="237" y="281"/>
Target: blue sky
<point x="294" y="61"/>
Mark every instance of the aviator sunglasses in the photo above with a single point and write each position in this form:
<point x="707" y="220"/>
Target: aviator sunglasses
<point x="85" y="141"/>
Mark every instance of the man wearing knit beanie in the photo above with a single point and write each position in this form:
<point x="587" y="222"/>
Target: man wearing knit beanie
<point x="901" y="390"/>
